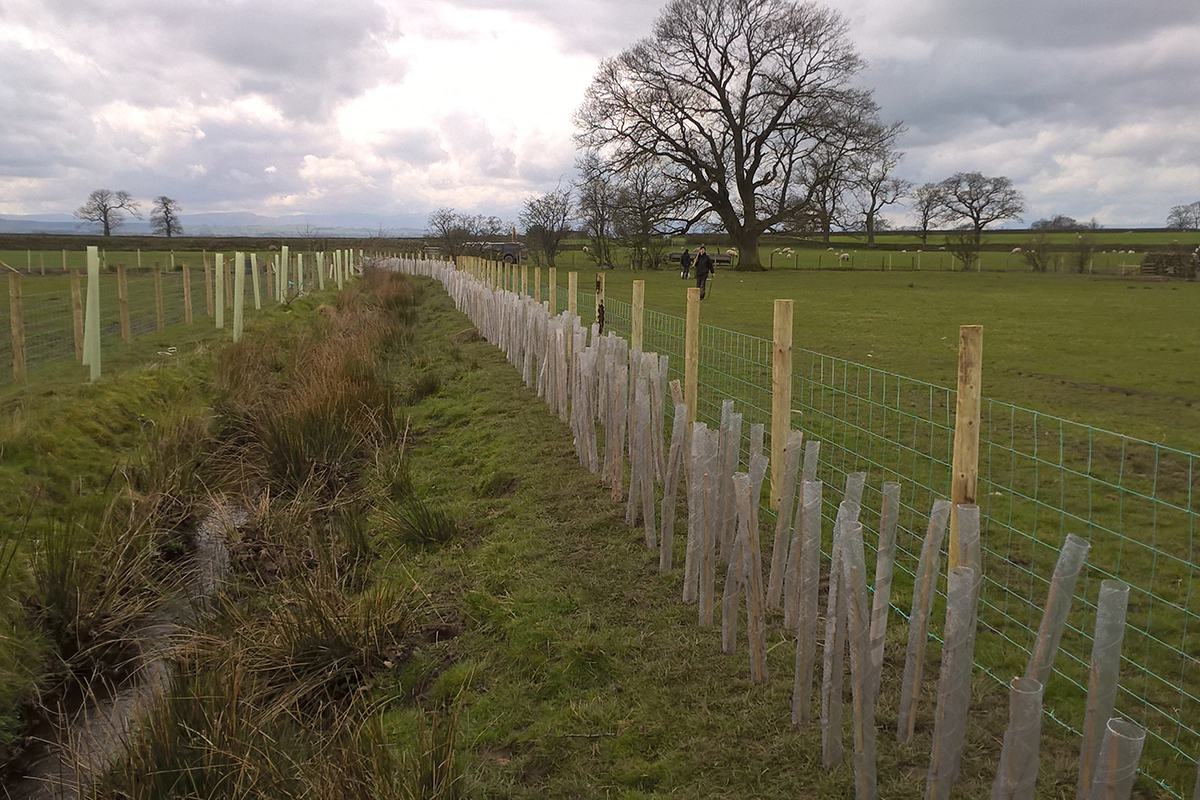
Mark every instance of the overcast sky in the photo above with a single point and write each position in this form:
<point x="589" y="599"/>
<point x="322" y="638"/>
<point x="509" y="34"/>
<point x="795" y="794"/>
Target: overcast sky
<point x="1092" y="107"/>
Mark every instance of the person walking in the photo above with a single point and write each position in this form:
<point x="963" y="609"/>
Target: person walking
<point x="685" y="259"/>
<point x="704" y="266"/>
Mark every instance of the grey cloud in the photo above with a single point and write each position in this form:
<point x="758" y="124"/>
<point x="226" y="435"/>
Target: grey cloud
<point x="598" y="28"/>
<point x="472" y="142"/>
<point x="419" y="148"/>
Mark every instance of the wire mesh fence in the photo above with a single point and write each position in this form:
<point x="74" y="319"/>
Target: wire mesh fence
<point x="1040" y="478"/>
<point x="47" y="305"/>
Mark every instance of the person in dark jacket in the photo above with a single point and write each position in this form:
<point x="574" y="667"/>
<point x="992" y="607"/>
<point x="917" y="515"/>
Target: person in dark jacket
<point x="704" y="266"/>
<point x="685" y="259"/>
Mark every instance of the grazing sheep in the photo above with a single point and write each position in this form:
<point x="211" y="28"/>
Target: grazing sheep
<point x="1016" y="249"/>
<point x="844" y="257"/>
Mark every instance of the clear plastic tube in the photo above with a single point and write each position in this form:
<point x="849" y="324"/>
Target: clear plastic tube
<point x="1116" y="768"/>
<point x="783" y="530"/>
<point x="954" y="686"/>
<point x="671" y="488"/>
<point x="924" y="588"/>
<point x="834" y="652"/>
<point x="807" y="584"/>
<point x="756" y="626"/>
<point x="1016" y="775"/>
<point x="885" y="559"/>
<point x="1058" y="605"/>
<point x="1102" y="684"/>
<point x="854" y="580"/>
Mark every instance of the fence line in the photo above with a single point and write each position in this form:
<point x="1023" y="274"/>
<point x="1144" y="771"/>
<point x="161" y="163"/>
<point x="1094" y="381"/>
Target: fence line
<point x="1040" y="478"/>
<point x="44" y="325"/>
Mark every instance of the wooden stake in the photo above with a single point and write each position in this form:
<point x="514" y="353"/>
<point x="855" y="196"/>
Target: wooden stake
<point x="16" y="319"/>
<point x="553" y="292"/>
<point x="159" y="320"/>
<point x="537" y="284"/>
<point x="637" y="323"/>
<point x="691" y="352"/>
<point x="966" y="429"/>
<point x="187" y="294"/>
<point x="76" y="311"/>
<point x="572" y="293"/>
<point x="123" y="303"/>
<point x="781" y="396"/>
<point x="524" y="280"/>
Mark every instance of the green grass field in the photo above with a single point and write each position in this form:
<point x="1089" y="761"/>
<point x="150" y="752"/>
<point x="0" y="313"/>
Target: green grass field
<point x="1116" y="354"/>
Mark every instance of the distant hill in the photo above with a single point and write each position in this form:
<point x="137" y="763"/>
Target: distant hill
<point x="237" y="223"/>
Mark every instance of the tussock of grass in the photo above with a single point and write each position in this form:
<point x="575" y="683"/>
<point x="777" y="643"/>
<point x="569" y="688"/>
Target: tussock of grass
<point x="422" y="522"/>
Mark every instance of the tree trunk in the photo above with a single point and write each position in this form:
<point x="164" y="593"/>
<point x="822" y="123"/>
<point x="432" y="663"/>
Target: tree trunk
<point x="746" y="243"/>
<point x="870" y="230"/>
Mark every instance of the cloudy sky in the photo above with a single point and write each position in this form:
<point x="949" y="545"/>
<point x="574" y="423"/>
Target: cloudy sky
<point x="280" y="107"/>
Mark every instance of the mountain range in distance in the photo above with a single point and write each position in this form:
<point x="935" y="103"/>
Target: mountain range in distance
<point x="236" y="223"/>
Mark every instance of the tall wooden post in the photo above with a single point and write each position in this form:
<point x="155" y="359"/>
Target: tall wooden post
<point x="16" y="321"/>
<point x="76" y="310"/>
<point x="123" y="303"/>
<point x="553" y="292"/>
<point x="187" y="294"/>
<point x="637" y="322"/>
<point x="691" y="352"/>
<point x="159" y="320"/>
<point x="781" y="396"/>
<point x="573" y="293"/>
<point x="966" y="429"/>
<point x="524" y="280"/>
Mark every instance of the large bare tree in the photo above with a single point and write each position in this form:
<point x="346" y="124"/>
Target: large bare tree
<point x="164" y="219"/>
<point x="731" y="100"/>
<point x="104" y="208"/>
<point x="978" y="200"/>
<point x="1184" y="218"/>
<point x="546" y="219"/>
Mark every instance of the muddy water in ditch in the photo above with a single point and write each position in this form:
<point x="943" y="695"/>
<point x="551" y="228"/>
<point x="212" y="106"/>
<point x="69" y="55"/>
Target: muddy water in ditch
<point x="75" y="745"/>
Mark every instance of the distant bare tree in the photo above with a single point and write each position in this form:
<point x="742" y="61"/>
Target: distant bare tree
<point x="980" y="200"/>
<point x="546" y="220"/>
<point x="164" y="219"/>
<point x="597" y="191"/>
<point x="929" y="204"/>
<point x="458" y="233"/>
<point x="104" y="207"/>
<point x="1038" y="252"/>
<point x="1184" y="218"/>
<point x="874" y="182"/>
<point x="645" y="215"/>
<point x="1059" y="222"/>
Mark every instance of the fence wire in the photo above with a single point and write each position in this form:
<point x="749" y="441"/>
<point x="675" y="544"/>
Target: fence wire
<point x="1040" y="478"/>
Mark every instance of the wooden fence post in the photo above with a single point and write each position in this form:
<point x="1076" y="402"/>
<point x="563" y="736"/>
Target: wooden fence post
<point x="76" y="311"/>
<point x="208" y="289"/>
<point x="159" y="320"/>
<point x="781" y="396"/>
<point x="691" y="352"/>
<point x="553" y="292"/>
<point x="187" y="294"/>
<point x="524" y="280"/>
<point x="637" y="321"/>
<point x="123" y="303"/>
<point x="16" y="319"/>
<point x="572" y="293"/>
<point x="966" y="429"/>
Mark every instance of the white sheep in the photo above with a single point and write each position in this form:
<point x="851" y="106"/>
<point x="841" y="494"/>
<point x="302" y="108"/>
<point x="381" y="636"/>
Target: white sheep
<point x="1016" y="249"/>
